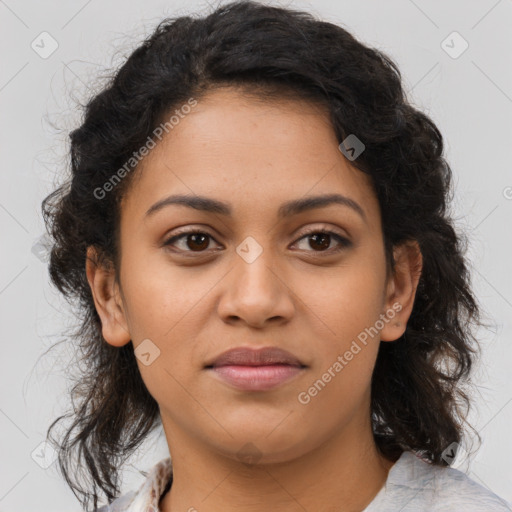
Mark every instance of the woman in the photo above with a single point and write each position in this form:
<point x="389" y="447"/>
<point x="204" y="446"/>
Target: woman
<point x="256" y="233"/>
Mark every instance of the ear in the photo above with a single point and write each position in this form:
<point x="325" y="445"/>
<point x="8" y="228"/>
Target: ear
<point x="107" y="299"/>
<point x="401" y="289"/>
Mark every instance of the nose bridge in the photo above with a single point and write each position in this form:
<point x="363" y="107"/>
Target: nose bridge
<point x="253" y="265"/>
<point x="255" y="293"/>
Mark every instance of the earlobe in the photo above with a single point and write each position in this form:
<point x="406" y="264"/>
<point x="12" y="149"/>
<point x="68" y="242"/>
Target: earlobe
<point x="401" y="289"/>
<point x="107" y="300"/>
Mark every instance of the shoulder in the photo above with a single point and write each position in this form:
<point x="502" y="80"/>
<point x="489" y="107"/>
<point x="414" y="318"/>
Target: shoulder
<point x="456" y="490"/>
<point x="121" y="504"/>
<point x="147" y="497"/>
<point x="415" y="485"/>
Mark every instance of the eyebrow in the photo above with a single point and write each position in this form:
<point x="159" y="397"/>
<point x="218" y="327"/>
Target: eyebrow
<point x="288" y="209"/>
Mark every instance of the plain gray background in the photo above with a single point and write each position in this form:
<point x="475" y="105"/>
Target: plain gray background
<point x="469" y="96"/>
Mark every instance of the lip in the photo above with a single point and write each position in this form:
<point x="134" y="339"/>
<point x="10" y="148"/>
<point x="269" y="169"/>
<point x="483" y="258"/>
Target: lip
<point x="251" y="369"/>
<point x="265" y="356"/>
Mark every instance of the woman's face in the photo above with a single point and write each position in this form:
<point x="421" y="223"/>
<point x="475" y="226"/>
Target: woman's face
<point x="254" y="278"/>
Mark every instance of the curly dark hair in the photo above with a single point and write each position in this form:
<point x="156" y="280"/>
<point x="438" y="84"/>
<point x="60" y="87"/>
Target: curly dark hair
<point x="417" y="385"/>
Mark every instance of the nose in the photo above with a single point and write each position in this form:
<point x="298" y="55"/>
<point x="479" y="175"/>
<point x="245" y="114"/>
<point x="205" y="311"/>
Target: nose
<point x="256" y="292"/>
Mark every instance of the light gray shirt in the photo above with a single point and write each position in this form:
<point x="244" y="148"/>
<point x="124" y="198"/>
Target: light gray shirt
<point x="412" y="485"/>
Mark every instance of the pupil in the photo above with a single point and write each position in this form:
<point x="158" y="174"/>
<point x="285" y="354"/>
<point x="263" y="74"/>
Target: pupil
<point x="324" y="237"/>
<point x="195" y="237"/>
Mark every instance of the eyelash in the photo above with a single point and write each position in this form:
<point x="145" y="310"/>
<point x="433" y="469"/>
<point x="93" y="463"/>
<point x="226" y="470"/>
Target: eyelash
<point x="344" y="242"/>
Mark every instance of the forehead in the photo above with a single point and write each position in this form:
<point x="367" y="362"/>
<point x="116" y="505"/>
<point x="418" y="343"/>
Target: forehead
<point x="249" y="152"/>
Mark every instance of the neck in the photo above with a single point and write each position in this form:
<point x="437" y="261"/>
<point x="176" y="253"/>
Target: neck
<point x="344" y="474"/>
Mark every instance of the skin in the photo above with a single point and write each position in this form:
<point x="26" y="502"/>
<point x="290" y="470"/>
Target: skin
<point x="256" y="155"/>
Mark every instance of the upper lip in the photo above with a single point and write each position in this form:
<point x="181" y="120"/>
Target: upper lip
<point x="244" y="356"/>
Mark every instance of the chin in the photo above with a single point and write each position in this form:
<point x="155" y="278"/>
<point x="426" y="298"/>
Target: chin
<point x="256" y="446"/>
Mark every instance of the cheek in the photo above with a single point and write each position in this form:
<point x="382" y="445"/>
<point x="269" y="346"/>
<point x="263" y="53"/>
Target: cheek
<point x="343" y="310"/>
<point x="347" y="343"/>
<point x="347" y="299"/>
<point x="169" y="307"/>
<point x="161" y="297"/>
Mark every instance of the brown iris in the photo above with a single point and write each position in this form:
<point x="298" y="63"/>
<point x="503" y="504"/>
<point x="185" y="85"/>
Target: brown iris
<point x="319" y="239"/>
<point x="200" y="241"/>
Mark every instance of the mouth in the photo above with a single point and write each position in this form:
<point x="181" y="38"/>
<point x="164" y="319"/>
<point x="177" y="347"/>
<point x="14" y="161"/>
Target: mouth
<point x="256" y="370"/>
<point x="256" y="378"/>
<point x="245" y="356"/>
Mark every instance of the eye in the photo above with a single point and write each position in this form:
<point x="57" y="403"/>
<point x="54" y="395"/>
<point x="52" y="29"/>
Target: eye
<point x="320" y="240"/>
<point x="192" y="241"/>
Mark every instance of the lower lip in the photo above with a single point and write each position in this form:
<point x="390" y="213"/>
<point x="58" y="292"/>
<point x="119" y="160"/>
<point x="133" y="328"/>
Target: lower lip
<point x="256" y="378"/>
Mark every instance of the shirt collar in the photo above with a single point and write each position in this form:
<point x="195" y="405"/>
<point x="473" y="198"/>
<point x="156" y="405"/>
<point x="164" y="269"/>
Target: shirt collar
<point x="408" y="471"/>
